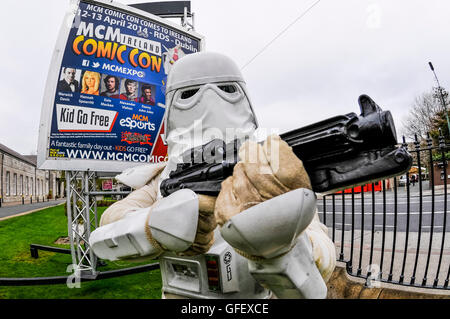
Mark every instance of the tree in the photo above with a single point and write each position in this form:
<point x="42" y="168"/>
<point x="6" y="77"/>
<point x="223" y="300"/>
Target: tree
<point x="423" y="114"/>
<point x="440" y="126"/>
<point x="427" y="115"/>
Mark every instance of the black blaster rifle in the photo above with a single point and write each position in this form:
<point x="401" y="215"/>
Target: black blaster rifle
<point x="338" y="153"/>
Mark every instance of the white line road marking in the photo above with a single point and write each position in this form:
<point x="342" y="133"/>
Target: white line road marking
<point x="388" y="226"/>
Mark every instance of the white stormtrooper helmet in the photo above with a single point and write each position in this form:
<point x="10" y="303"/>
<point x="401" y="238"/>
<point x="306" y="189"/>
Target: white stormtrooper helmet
<point x="206" y="98"/>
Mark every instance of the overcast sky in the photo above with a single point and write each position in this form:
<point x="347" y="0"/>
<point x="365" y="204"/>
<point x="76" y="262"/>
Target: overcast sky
<point x="314" y="70"/>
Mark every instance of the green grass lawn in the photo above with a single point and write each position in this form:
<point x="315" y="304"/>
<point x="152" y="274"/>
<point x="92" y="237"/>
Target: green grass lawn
<point x="45" y="227"/>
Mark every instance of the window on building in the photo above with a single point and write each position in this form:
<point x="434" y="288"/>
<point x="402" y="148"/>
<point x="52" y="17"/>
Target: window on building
<point x="14" y="186"/>
<point x="27" y="185"/>
<point x="8" y="184"/>
<point x="32" y="187"/>
<point x="42" y="187"/>
<point x="21" y="185"/>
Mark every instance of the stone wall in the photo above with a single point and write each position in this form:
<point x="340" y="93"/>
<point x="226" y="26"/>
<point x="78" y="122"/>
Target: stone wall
<point x="343" y="286"/>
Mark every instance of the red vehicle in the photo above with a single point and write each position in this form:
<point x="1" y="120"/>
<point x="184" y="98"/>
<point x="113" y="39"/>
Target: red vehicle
<point x="365" y="188"/>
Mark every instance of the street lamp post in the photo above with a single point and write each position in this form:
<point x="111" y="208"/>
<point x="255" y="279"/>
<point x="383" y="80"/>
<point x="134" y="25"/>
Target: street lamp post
<point x="442" y="96"/>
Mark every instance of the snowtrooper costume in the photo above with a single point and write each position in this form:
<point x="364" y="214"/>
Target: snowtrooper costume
<point x="260" y="238"/>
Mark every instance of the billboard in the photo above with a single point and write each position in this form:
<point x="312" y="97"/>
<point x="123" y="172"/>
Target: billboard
<point x="104" y="101"/>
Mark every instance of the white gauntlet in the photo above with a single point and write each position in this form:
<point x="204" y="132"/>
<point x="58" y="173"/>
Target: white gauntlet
<point x="170" y="224"/>
<point x="272" y="236"/>
<point x="269" y="229"/>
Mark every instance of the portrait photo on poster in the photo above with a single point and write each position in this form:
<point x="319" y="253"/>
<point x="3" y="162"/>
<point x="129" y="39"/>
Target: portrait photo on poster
<point x="69" y="80"/>
<point x="109" y="86"/>
<point x="129" y="90"/>
<point x="90" y="83"/>
<point x="147" y="94"/>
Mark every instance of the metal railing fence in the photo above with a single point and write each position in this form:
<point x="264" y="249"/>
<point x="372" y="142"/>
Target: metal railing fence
<point x="396" y="230"/>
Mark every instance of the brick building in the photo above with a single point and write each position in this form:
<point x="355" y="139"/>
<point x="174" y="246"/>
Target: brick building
<point x="20" y="178"/>
<point x="439" y="172"/>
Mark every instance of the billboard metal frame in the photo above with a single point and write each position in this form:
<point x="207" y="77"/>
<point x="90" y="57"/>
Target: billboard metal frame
<point x="82" y="219"/>
<point x="81" y="173"/>
<point x="170" y="9"/>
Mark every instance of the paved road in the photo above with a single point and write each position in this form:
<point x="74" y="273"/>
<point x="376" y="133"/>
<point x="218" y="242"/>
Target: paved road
<point x="417" y="212"/>
<point x="6" y="211"/>
<point x="428" y="211"/>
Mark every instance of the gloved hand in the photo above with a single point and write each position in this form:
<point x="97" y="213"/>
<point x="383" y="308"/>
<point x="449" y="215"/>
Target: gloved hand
<point x="263" y="172"/>
<point x="205" y="227"/>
